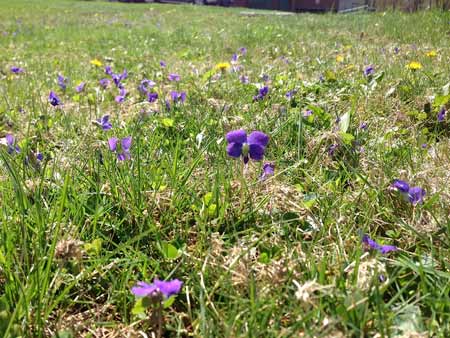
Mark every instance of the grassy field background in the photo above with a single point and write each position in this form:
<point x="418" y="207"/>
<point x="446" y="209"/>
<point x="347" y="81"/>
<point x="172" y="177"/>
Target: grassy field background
<point x="281" y="257"/>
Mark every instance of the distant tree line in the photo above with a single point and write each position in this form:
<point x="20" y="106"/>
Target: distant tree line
<point x="409" y="5"/>
<point x="403" y="5"/>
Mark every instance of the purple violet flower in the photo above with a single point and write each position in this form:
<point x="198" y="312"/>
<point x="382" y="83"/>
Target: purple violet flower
<point x="162" y="64"/>
<point x="121" y="97"/>
<point x="262" y="92"/>
<point x="178" y="96"/>
<point x="167" y="288"/>
<point x="11" y="143"/>
<point x="125" y="145"/>
<point x="236" y="68"/>
<point x="307" y="113"/>
<point x="54" y="99"/>
<point x="332" y="149"/>
<point x="80" y="87"/>
<point x="39" y="156"/>
<point x="369" y="70"/>
<point x="234" y="57"/>
<point x="290" y="94"/>
<point x="243" y="50"/>
<point x="284" y="59"/>
<point x="104" y="122"/>
<point x="244" y="79"/>
<point x="146" y="85"/>
<point x="62" y="82"/>
<point x="363" y="126"/>
<point x="174" y="77"/>
<point x="265" y="77"/>
<point x="371" y="244"/>
<point x="117" y="78"/>
<point x="108" y="70"/>
<point x="252" y="146"/>
<point x="441" y="115"/>
<point x="268" y="170"/>
<point x="16" y="70"/>
<point x="414" y="195"/>
<point x="401" y="186"/>
<point x="104" y="83"/>
<point x="152" y="97"/>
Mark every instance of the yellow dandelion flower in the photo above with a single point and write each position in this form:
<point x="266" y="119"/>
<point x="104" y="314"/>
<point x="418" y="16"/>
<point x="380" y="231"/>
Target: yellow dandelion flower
<point x="96" y="63"/>
<point x="340" y="58"/>
<point x="431" y="53"/>
<point x="414" y="65"/>
<point x="222" y="66"/>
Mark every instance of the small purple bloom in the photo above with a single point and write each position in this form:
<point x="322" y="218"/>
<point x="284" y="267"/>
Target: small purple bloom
<point x="234" y="57"/>
<point x="62" y="82"/>
<point x="167" y="102"/>
<point x="240" y="145"/>
<point x="11" y="143"/>
<point x="121" y="97"/>
<point x="363" y="126"/>
<point x="16" y="70"/>
<point x="416" y="195"/>
<point x="307" y="113"/>
<point x="108" y="70"/>
<point x="142" y="289"/>
<point x="167" y="288"/>
<point x="369" y="70"/>
<point x="441" y="115"/>
<point x="80" y="87"/>
<point x="396" y="50"/>
<point x="174" y="77"/>
<point x="332" y="149"/>
<point x="268" y="170"/>
<point x="104" y="122"/>
<point x="284" y="59"/>
<point x="244" y="79"/>
<point x="236" y="68"/>
<point x="424" y="146"/>
<point x="290" y="94"/>
<point x="401" y="186"/>
<point x="162" y="64"/>
<point x="125" y="145"/>
<point x="54" y="99"/>
<point x="39" y="156"/>
<point x="178" y="96"/>
<point x="262" y="92"/>
<point x="152" y="97"/>
<point x="265" y="77"/>
<point x="146" y="85"/>
<point x="117" y="78"/>
<point x="104" y="83"/>
<point x="371" y="244"/>
<point x="243" y="50"/>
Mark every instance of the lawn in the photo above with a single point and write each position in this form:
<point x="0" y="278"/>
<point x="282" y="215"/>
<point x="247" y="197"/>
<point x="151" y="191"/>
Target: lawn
<point x="119" y="165"/>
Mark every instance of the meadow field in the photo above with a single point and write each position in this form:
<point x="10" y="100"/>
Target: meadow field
<point x="180" y="170"/>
